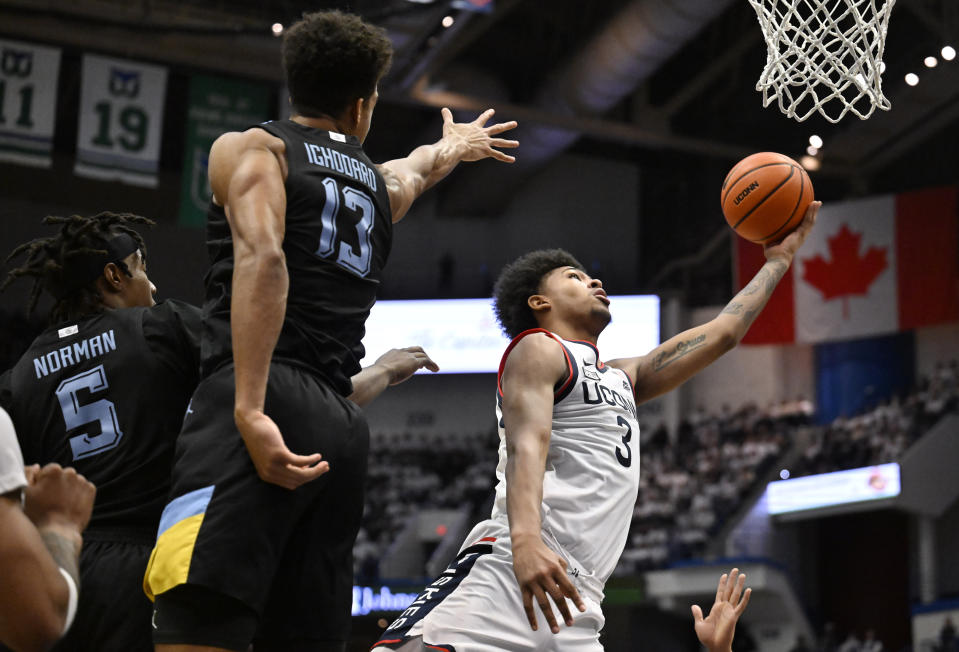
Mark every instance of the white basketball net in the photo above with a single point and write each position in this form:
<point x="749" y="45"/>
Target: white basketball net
<point x="824" y="55"/>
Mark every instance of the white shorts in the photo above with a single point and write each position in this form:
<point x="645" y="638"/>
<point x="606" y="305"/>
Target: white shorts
<point x="475" y="606"/>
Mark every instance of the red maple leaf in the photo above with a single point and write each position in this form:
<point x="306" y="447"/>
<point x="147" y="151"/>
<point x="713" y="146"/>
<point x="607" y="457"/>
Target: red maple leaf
<point x="848" y="273"/>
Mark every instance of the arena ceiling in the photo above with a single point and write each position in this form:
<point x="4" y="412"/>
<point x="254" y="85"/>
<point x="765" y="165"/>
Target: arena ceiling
<point x="609" y="78"/>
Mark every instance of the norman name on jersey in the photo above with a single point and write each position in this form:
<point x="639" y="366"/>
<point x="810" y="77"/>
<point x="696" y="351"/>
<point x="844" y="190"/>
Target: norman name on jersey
<point x="67" y="356"/>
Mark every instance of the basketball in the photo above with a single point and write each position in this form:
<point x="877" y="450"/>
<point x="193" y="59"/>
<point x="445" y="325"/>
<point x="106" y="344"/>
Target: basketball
<point x="765" y="196"/>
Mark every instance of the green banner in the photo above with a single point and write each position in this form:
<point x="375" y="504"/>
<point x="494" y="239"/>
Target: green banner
<point x="216" y="106"/>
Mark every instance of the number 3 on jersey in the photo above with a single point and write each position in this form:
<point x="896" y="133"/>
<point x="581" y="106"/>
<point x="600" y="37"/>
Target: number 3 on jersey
<point x="355" y="200"/>
<point x="76" y="415"/>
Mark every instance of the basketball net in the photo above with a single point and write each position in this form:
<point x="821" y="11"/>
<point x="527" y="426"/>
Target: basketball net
<point x="824" y="55"/>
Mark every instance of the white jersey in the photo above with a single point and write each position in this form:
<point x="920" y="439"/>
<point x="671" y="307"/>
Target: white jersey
<point x="592" y="466"/>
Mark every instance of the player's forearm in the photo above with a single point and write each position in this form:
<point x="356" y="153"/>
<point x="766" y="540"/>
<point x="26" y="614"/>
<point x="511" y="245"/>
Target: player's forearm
<point x="431" y="163"/>
<point x="257" y="311"/>
<point x="741" y="312"/>
<point x="525" y="466"/>
<point x="369" y="383"/>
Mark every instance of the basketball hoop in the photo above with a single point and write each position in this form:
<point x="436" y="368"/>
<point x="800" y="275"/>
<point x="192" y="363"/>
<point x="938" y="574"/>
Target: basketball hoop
<point x="824" y="55"/>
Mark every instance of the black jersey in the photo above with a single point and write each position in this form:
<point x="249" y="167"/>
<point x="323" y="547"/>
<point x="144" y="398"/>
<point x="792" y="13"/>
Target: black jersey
<point x="106" y="395"/>
<point x="339" y="230"/>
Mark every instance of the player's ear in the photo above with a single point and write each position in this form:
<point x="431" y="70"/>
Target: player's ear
<point x="538" y="302"/>
<point x="112" y="277"/>
<point x="356" y="112"/>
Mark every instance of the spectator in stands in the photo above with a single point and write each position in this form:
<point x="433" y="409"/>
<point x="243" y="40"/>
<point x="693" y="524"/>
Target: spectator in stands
<point x="42" y="513"/>
<point x="947" y="636"/>
<point x="870" y="643"/>
<point x="851" y="644"/>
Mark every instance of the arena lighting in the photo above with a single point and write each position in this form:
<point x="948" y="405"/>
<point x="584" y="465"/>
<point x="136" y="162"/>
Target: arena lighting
<point x="277" y="29"/>
<point x="447" y="21"/>
<point x="815" y="141"/>
<point x="784" y="474"/>
<point x="811" y="163"/>
<point x="912" y="79"/>
<point x="812" y="151"/>
<point x="829" y="489"/>
<point x="931" y="62"/>
<point x="948" y="53"/>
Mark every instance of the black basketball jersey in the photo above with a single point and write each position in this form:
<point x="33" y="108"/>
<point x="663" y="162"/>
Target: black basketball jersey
<point x="107" y="395"/>
<point x="339" y="230"/>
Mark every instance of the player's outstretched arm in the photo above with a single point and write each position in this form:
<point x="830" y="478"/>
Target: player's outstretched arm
<point x="247" y="176"/>
<point x="716" y="631"/>
<point x="35" y="605"/>
<point x="408" y="178"/>
<point x="391" y="368"/>
<point x="533" y="368"/>
<point x="679" y="358"/>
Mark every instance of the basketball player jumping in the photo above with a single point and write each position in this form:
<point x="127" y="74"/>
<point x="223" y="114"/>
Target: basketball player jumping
<point x="568" y="468"/>
<point x="256" y="542"/>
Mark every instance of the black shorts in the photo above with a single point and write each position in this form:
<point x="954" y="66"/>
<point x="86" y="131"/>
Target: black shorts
<point x="112" y="613"/>
<point x="287" y="555"/>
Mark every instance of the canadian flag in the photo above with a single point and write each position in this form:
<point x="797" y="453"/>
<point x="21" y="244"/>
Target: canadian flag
<point x="869" y="267"/>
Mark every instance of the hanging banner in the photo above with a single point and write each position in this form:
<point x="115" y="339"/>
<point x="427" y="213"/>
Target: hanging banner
<point x="28" y="100"/>
<point x="216" y="106"/>
<point x="121" y="117"/>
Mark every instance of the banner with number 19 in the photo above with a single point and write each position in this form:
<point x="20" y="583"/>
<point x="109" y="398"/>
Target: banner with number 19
<point x="121" y="116"/>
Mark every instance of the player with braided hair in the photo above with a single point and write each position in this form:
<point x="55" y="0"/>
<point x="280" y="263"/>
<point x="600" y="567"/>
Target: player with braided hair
<point x="104" y="389"/>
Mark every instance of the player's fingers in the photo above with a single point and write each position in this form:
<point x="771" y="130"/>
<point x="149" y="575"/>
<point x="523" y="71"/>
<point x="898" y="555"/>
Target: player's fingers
<point x="30" y="471"/>
<point x="528" y="608"/>
<point x="566" y="586"/>
<point x="447" y="115"/>
<point x="543" y="603"/>
<point x="697" y="614"/>
<point x="292" y="459"/>
<point x="502" y="142"/>
<point x="741" y="607"/>
<point x="561" y="604"/>
<point x="737" y="588"/>
<point x="721" y="588"/>
<point x="500" y="156"/>
<point x="429" y="364"/>
<point x="501" y="127"/>
<point x="484" y="117"/>
<point x="300" y="476"/>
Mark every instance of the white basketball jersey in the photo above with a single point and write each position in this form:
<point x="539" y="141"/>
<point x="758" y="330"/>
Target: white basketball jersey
<point x="592" y="467"/>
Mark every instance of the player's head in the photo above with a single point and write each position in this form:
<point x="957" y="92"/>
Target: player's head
<point x="333" y="62"/>
<point x="548" y="285"/>
<point x="91" y="264"/>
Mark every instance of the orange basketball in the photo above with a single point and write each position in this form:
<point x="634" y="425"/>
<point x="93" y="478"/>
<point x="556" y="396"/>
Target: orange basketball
<point x="765" y="196"/>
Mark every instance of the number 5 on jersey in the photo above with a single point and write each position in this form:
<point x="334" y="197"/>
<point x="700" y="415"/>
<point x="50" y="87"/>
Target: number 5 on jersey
<point x="101" y="411"/>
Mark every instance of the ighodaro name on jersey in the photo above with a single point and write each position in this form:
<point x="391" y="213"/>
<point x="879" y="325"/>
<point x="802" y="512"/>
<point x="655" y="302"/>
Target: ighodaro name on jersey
<point x="595" y="393"/>
<point x="342" y="163"/>
<point x="67" y="356"/>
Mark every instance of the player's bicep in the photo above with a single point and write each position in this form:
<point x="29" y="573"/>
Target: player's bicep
<point x="401" y="186"/>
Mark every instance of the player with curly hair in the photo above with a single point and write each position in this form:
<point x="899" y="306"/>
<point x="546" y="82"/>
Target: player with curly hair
<point x="568" y="471"/>
<point x="256" y="541"/>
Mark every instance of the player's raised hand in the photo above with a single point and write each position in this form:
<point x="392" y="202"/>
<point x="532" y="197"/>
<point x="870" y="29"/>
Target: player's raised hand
<point x="716" y="631"/>
<point x="541" y="573"/>
<point x="788" y="246"/>
<point x="274" y="462"/>
<point x="401" y="364"/>
<point x="474" y="141"/>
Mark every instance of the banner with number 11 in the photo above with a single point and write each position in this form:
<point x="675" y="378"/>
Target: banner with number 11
<point x="28" y="98"/>
<point x="121" y="117"/>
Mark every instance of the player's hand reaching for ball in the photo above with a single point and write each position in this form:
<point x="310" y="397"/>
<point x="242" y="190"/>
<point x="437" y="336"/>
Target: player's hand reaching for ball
<point x="473" y="141"/>
<point x="541" y="574"/>
<point x="274" y="462"/>
<point x="716" y="631"/>
<point x="788" y="246"/>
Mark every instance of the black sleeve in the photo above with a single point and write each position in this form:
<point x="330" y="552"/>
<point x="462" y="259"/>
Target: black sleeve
<point x="172" y="331"/>
<point x="6" y="389"/>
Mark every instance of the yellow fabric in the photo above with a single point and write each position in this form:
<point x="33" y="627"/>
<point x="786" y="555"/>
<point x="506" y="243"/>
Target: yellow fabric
<point x="170" y="560"/>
